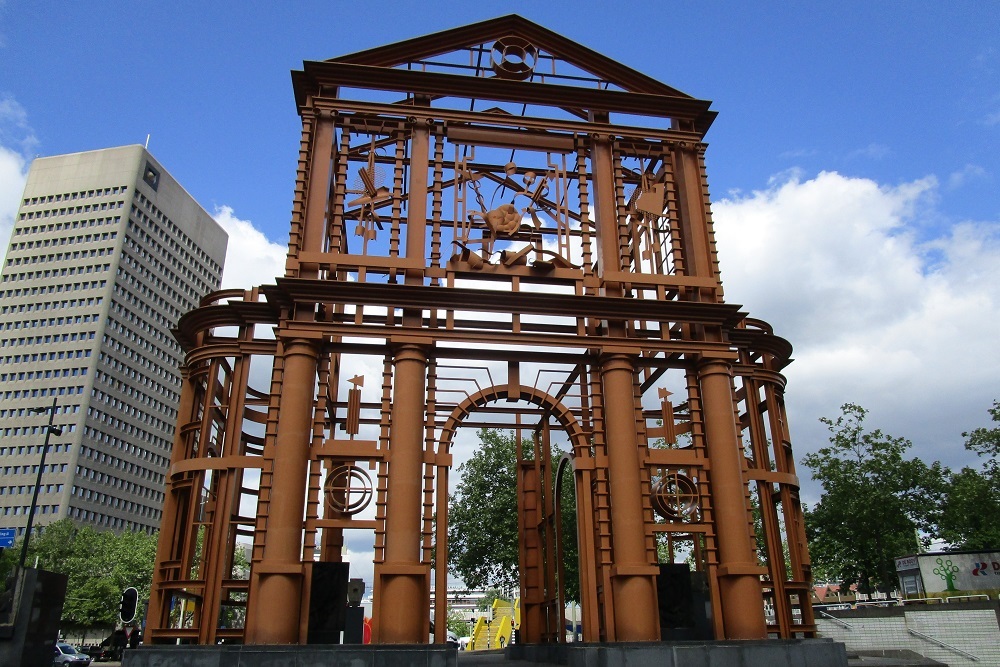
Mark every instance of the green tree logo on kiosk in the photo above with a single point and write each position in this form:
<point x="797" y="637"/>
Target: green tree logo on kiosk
<point x="947" y="571"/>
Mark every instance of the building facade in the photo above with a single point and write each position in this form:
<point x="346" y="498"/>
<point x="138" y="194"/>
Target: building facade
<point x="106" y="254"/>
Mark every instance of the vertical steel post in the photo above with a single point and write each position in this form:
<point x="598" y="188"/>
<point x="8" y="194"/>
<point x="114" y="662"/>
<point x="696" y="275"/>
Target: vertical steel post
<point x="402" y="597"/>
<point x="633" y="578"/>
<point x="739" y="573"/>
<point x="280" y="572"/>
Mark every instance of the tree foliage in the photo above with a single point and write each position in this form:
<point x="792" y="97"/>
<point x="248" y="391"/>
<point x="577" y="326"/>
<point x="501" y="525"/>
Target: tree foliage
<point x="968" y="514"/>
<point x="482" y="519"/>
<point x="99" y="565"/>
<point x="482" y="515"/>
<point x="874" y="501"/>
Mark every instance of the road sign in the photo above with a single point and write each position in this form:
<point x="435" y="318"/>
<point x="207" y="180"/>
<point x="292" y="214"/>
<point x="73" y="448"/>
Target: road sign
<point x="7" y="536"/>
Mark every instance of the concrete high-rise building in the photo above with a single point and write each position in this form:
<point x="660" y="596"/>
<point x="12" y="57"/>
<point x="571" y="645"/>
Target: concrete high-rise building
<point x="107" y="252"/>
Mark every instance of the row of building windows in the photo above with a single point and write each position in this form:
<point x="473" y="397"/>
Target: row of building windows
<point x="114" y="501"/>
<point x="72" y="196"/>
<point x="55" y="273"/>
<point x="45" y="391"/>
<point x="114" y="523"/>
<point x="98" y="436"/>
<point x="71" y="210"/>
<point x="23" y="509"/>
<point x="62" y="227"/>
<point x="22" y="450"/>
<point x="55" y="338"/>
<point x="49" y="322"/>
<point x="30" y="488"/>
<point x="64" y="240"/>
<point x="43" y="375"/>
<point x="53" y="305"/>
<point x="133" y="451"/>
<point x="53" y="289"/>
<point x="60" y="256"/>
<point x="83" y="472"/>
<point x="44" y="356"/>
<point x="33" y="430"/>
<point x="33" y="469"/>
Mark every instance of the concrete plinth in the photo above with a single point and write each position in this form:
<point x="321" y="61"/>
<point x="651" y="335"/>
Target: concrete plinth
<point x="751" y="653"/>
<point x="315" y="655"/>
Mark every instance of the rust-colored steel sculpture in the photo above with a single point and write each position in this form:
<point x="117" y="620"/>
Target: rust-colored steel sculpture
<point x="505" y="228"/>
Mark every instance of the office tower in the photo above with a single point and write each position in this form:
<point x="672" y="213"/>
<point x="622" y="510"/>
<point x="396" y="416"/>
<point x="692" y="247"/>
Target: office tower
<point x="106" y="254"/>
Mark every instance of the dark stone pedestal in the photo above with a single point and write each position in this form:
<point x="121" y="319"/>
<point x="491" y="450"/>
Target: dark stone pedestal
<point x="310" y="655"/>
<point x="762" y="653"/>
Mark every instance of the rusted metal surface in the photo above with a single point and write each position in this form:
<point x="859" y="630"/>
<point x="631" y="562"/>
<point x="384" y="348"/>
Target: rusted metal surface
<point x="483" y="233"/>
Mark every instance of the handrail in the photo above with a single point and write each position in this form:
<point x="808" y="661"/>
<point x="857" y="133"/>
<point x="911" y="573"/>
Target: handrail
<point x="921" y="601"/>
<point x="941" y="644"/>
<point x="967" y="597"/>
<point x="836" y="620"/>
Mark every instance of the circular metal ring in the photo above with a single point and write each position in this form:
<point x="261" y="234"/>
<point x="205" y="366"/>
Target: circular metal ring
<point x="348" y="490"/>
<point x="513" y="58"/>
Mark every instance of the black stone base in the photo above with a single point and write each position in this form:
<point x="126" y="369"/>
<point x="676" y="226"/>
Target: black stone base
<point x="311" y="655"/>
<point x="762" y="653"/>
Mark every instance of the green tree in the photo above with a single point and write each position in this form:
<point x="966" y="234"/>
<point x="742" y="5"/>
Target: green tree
<point x="482" y="515"/>
<point x="99" y="566"/>
<point x="969" y="511"/>
<point x="874" y="501"/>
<point x="986" y="441"/>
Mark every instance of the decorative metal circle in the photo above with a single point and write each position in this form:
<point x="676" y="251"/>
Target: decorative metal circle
<point x="675" y="497"/>
<point x="513" y="58"/>
<point x="348" y="490"/>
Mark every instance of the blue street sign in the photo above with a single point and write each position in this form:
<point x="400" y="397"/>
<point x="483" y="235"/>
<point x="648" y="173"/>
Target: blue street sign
<point x="7" y="536"/>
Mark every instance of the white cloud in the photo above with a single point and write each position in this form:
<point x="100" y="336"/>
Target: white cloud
<point x="872" y="151"/>
<point x="13" y="174"/>
<point x="251" y="258"/>
<point x="905" y="328"/>
<point x="970" y="171"/>
<point x="17" y="140"/>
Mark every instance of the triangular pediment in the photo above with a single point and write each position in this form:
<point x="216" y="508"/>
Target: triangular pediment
<point x="536" y="54"/>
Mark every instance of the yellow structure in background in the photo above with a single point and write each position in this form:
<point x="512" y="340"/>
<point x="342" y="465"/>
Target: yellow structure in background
<point x="498" y="632"/>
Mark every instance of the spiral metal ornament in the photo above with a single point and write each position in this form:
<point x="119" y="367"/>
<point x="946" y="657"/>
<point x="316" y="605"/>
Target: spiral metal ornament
<point x="675" y="497"/>
<point x="348" y="490"/>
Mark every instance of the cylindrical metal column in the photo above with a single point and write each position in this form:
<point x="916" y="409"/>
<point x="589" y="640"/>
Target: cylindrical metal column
<point x="403" y="593"/>
<point x="739" y="573"/>
<point x="279" y="596"/>
<point x="634" y="583"/>
<point x="158" y="610"/>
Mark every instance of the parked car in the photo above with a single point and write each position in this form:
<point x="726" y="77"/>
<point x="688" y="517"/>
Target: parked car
<point x="97" y="652"/>
<point x="67" y="655"/>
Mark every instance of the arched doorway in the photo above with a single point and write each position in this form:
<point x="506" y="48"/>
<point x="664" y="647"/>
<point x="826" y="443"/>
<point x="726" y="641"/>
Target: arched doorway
<point x="541" y="580"/>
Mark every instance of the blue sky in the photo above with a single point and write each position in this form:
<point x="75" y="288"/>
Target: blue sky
<point x="854" y="165"/>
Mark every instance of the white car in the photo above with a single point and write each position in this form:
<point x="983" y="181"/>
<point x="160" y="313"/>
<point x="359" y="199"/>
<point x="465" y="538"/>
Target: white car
<point x="67" y="655"/>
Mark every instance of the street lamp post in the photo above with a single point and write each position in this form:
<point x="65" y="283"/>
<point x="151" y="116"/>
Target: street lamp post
<point x="49" y="430"/>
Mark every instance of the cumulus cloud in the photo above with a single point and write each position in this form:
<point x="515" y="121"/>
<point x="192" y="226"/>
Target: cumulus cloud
<point x="969" y="172"/>
<point x="251" y="258"/>
<point x="17" y="140"/>
<point x="13" y="174"/>
<point x="878" y="314"/>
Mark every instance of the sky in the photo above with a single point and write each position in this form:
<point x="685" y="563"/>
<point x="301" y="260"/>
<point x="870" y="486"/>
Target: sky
<point x="854" y="165"/>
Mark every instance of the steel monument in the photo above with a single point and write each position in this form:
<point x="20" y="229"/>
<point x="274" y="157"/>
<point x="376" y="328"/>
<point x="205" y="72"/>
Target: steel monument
<point x="491" y="225"/>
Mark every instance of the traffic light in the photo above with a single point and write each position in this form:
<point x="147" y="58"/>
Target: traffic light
<point x="130" y="600"/>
